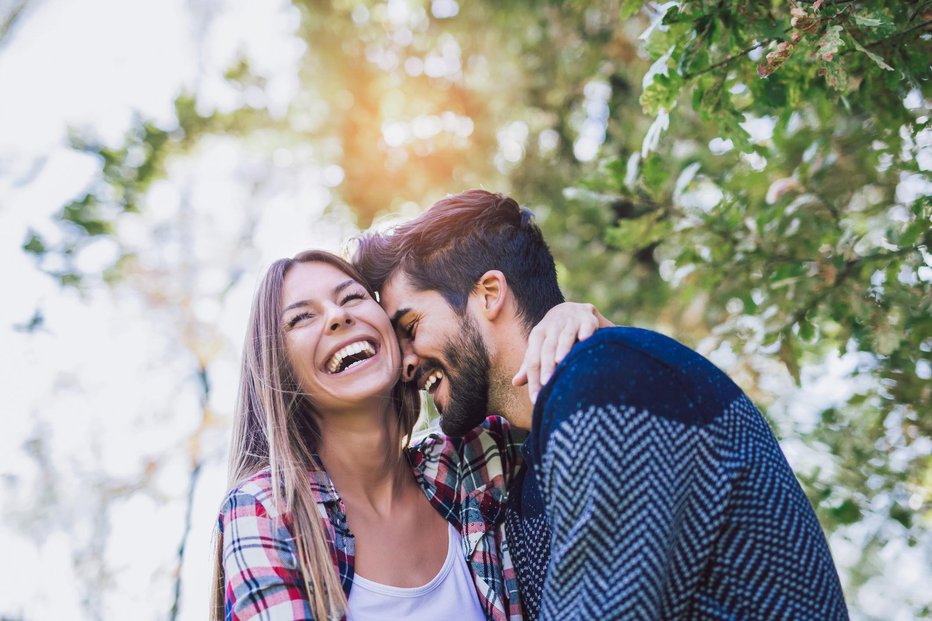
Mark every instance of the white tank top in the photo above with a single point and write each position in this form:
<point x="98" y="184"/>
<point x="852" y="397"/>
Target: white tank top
<point x="451" y="594"/>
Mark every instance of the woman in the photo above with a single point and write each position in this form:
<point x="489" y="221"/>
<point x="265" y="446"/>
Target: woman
<point x="320" y="410"/>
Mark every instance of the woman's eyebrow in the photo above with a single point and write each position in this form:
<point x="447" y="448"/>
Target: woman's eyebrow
<point x="336" y="291"/>
<point x="343" y="285"/>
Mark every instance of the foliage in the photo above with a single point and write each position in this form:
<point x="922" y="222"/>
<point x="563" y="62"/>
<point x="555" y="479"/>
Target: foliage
<point x="750" y="177"/>
<point x="778" y="205"/>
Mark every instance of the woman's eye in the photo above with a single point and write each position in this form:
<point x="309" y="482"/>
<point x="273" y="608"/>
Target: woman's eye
<point x="358" y="295"/>
<point x="299" y="317"/>
<point x="409" y="329"/>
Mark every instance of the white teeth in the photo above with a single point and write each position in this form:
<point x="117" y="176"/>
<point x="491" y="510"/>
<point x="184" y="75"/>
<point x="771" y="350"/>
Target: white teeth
<point x="434" y="377"/>
<point x="353" y="364"/>
<point x="349" y="350"/>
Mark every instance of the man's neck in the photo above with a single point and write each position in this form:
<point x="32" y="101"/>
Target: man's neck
<point x="510" y="401"/>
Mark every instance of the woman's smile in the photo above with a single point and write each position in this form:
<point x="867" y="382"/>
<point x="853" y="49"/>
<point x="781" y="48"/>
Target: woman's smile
<point x="341" y="344"/>
<point x="350" y="357"/>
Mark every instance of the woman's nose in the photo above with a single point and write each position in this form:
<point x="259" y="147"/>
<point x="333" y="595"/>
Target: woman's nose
<point x="335" y="325"/>
<point x="338" y="318"/>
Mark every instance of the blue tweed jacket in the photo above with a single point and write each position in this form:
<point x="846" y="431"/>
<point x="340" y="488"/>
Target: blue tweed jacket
<point x="656" y="490"/>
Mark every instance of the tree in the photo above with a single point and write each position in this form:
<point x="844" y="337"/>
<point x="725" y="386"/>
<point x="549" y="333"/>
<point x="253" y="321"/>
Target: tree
<point x="752" y="178"/>
<point x="801" y="229"/>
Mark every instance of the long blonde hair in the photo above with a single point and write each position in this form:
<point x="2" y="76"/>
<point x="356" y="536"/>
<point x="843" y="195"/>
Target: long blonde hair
<point x="274" y="429"/>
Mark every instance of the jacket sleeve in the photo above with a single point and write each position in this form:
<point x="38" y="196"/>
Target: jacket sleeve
<point x="262" y="579"/>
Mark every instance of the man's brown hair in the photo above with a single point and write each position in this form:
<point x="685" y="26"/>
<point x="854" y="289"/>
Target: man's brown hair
<point x="448" y="247"/>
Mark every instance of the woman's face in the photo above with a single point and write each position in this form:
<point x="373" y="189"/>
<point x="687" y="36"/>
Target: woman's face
<point x="339" y="341"/>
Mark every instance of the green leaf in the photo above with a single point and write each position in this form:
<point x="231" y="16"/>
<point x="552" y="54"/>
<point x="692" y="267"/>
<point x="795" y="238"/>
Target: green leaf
<point x="806" y="330"/>
<point x="847" y="512"/>
<point x="35" y="323"/>
<point x="789" y="356"/>
<point x="640" y="232"/>
<point x="835" y="75"/>
<point x="68" y="279"/>
<point x="35" y="245"/>
<point x="866" y="21"/>
<point x="85" y="214"/>
<point x="661" y="93"/>
<point x="874" y="57"/>
<point x="880" y="23"/>
<point x="912" y="233"/>
<point x="655" y="174"/>
<point x="887" y="339"/>
<point x="830" y="42"/>
<point x="629" y="8"/>
<point x="901" y="514"/>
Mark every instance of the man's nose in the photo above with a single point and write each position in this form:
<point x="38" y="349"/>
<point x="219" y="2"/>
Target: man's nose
<point x="409" y="364"/>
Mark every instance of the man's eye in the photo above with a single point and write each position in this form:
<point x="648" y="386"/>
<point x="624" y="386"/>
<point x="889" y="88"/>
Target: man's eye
<point x="299" y="317"/>
<point x="409" y="329"/>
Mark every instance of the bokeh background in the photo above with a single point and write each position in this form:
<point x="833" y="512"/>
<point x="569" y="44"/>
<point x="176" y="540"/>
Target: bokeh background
<point x="750" y="178"/>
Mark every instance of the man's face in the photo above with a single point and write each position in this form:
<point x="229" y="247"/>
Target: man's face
<point x="443" y="353"/>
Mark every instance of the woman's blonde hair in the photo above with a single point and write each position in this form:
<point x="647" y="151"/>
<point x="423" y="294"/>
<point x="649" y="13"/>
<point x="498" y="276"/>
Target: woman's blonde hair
<point x="274" y="429"/>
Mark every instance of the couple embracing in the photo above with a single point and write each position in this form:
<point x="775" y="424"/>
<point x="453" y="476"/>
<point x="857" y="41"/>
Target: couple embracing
<point x="629" y="479"/>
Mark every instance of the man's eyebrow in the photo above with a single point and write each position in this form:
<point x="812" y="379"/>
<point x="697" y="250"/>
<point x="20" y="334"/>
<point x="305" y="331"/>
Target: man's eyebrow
<point x="401" y="312"/>
<point x="336" y="291"/>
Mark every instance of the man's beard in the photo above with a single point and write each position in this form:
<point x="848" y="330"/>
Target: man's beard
<point x="467" y="371"/>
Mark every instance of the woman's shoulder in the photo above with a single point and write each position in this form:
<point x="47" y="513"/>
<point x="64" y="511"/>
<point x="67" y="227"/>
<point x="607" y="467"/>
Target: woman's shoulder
<point x="255" y="490"/>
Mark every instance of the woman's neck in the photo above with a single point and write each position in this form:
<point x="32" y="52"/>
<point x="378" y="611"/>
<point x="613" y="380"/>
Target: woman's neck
<point x="362" y="454"/>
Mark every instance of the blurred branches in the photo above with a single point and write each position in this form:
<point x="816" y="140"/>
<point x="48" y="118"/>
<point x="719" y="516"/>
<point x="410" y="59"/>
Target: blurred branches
<point x="11" y="12"/>
<point x="753" y="178"/>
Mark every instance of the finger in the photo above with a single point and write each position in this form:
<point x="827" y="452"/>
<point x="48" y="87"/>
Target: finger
<point x="531" y="364"/>
<point x="533" y="382"/>
<point x="547" y="355"/>
<point x="587" y="329"/>
<point x="564" y="345"/>
<point x="520" y="378"/>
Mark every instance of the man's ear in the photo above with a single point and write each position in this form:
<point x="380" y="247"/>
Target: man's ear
<point x="491" y="292"/>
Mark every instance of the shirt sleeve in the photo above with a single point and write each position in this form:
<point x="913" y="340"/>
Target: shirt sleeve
<point x="262" y="579"/>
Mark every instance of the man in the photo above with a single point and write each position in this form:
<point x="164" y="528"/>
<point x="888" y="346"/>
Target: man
<point x="654" y="488"/>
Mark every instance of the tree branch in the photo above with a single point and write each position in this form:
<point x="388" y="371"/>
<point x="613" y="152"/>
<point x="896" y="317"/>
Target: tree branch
<point x="8" y="21"/>
<point x="840" y="278"/>
<point x="196" y="463"/>
<point x="900" y="34"/>
<point x="192" y="485"/>
<point x="736" y="56"/>
<point x="919" y="9"/>
<point x="721" y="63"/>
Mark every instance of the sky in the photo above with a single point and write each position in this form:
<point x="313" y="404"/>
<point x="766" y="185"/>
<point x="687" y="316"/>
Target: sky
<point x="96" y="508"/>
<point x="104" y="412"/>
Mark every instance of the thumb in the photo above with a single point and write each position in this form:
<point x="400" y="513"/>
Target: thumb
<point x="520" y="378"/>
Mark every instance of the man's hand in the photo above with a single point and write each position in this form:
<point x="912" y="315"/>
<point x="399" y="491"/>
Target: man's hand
<point x="552" y="339"/>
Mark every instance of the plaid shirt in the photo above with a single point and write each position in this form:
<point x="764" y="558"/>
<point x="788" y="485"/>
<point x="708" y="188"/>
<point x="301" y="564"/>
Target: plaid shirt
<point x="465" y="479"/>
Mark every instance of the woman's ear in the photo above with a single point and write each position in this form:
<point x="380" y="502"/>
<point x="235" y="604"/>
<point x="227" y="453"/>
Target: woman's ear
<point x="491" y="292"/>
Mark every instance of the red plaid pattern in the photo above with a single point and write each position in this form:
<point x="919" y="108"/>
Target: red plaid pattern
<point x="466" y="480"/>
